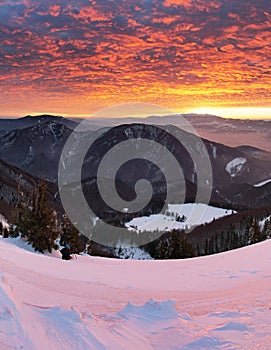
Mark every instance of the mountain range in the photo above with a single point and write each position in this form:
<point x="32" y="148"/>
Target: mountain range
<point x="233" y="132"/>
<point x="35" y="144"/>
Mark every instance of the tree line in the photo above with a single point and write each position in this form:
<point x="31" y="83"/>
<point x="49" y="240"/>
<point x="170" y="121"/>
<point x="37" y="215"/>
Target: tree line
<point x="223" y="234"/>
<point x="39" y="224"/>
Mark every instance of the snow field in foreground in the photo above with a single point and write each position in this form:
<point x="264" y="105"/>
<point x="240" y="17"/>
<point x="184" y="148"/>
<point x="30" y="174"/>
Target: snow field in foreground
<point x="216" y="302"/>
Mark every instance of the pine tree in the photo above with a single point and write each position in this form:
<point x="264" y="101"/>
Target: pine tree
<point x="211" y="246"/>
<point x="5" y="233"/>
<point x="89" y="247"/>
<point x="13" y="231"/>
<point x="44" y="230"/>
<point x="247" y="234"/>
<point x="187" y="250"/>
<point x="69" y="234"/>
<point x="161" y="249"/>
<point x="267" y="228"/>
<point x="206" y="251"/>
<point x="198" y="250"/>
<point x="256" y="234"/>
<point x="36" y="220"/>
<point x="174" y="246"/>
<point x="24" y="215"/>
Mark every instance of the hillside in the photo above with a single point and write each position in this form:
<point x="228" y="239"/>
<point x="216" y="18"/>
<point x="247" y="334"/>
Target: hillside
<point x="36" y="148"/>
<point x="11" y="178"/>
<point x="215" y="302"/>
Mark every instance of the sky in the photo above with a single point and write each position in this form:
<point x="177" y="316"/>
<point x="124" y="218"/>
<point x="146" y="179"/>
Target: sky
<point x="76" y="57"/>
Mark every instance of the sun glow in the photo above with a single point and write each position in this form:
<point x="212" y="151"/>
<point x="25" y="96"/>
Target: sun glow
<point x="235" y="112"/>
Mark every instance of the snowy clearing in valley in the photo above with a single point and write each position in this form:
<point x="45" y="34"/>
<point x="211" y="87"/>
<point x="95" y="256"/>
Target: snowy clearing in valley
<point x="215" y="302"/>
<point x="179" y="216"/>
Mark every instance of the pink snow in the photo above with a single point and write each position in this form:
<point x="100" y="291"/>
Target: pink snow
<point x="216" y="302"/>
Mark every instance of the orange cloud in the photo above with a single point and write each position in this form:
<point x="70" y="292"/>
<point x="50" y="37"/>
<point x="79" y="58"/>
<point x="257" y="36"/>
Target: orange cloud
<point x="184" y="3"/>
<point x="74" y="59"/>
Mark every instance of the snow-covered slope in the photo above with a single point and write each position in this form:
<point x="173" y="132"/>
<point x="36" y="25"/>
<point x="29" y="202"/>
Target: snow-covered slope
<point x="235" y="166"/>
<point x="215" y="302"/>
<point x="260" y="184"/>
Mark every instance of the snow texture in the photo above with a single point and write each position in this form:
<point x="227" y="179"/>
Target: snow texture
<point x="132" y="253"/>
<point x="221" y="301"/>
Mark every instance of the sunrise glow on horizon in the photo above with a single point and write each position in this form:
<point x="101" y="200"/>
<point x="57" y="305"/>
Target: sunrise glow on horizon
<point x="228" y="113"/>
<point x="76" y="58"/>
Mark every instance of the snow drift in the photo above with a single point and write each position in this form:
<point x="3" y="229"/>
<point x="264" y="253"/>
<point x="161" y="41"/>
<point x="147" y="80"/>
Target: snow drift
<point x="214" y="302"/>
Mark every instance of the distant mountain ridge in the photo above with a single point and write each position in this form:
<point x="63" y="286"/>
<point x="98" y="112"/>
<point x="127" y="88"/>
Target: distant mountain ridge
<point x="37" y="149"/>
<point x="233" y="132"/>
<point x="8" y="125"/>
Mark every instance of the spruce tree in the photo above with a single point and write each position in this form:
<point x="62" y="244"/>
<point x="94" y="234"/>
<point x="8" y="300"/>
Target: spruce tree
<point x="44" y="230"/>
<point x="257" y="235"/>
<point x="174" y="246"/>
<point x="5" y="233"/>
<point x="13" y="231"/>
<point x="187" y="250"/>
<point x="69" y="234"/>
<point x="24" y="219"/>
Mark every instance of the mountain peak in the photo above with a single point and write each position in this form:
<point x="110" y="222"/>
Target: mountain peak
<point x="42" y="117"/>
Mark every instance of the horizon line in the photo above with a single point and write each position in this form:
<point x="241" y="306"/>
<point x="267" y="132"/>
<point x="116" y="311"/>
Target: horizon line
<point x="157" y="115"/>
